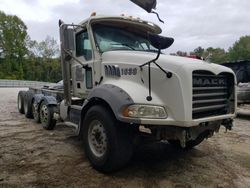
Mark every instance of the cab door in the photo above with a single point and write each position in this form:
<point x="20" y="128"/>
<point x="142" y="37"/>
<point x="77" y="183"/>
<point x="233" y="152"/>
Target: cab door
<point x="82" y="75"/>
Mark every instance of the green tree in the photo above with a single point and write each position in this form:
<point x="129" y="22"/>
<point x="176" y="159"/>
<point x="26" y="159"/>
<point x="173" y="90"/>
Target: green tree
<point x="199" y="51"/>
<point x="13" y="33"/>
<point x="43" y="63"/>
<point x="240" y="49"/>
<point x="23" y="58"/>
<point x="48" y="48"/>
<point x="216" y="55"/>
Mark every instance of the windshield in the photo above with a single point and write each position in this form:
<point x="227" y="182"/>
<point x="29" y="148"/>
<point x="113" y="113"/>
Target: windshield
<point x="110" y="38"/>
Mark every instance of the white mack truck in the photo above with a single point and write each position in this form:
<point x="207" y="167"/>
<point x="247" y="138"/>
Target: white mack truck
<point x="119" y="89"/>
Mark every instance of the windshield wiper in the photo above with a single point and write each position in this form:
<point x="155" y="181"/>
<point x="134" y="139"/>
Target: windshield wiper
<point x="124" y="44"/>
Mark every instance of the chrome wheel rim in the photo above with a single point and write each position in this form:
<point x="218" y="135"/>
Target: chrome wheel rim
<point x="97" y="138"/>
<point x="44" y="114"/>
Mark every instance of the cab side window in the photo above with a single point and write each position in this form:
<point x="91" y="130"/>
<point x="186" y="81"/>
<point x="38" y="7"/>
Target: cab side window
<point x="83" y="46"/>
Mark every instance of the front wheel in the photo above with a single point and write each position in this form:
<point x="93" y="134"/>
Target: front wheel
<point x="107" y="144"/>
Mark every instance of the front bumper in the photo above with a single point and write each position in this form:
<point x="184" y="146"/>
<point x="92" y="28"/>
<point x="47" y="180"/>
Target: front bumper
<point x="192" y="123"/>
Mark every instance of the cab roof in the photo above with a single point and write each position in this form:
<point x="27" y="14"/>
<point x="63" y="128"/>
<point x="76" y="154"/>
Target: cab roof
<point x="124" y="20"/>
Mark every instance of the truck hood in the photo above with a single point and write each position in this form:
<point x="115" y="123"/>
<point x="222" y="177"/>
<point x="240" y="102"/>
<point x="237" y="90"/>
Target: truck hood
<point x="168" y="62"/>
<point x="175" y="93"/>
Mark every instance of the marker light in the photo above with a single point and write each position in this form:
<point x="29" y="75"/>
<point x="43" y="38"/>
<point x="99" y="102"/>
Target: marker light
<point x="93" y="14"/>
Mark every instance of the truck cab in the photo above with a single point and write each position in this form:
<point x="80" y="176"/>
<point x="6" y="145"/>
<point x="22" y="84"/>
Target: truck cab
<point x="98" y="35"/>
<point x="121" y="90"/>
<point x="109" y="68"/>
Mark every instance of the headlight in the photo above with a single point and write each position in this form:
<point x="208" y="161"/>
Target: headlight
<point x="145" y="111"/>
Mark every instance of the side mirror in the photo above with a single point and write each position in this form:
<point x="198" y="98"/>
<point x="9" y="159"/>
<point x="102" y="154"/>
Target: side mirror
<point x="160" y="42"/>
<point x="147" y="5"/>
<point x="66" y="37"/>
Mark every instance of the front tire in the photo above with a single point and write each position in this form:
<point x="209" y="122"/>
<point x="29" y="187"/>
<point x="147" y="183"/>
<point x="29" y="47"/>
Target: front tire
<point x="107" y="144"/>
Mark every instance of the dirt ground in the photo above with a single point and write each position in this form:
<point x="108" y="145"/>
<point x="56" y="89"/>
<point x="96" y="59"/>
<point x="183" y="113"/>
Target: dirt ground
<point x="33" y="157"/>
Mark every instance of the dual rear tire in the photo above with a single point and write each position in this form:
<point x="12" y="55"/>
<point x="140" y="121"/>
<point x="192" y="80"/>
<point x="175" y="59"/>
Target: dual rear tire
<point x="27" y="103"/>
<point x="20" y="101"/>
<point x="46" y="116"/>
<point x="41" y="113"/>
<point x="35" y="112"/>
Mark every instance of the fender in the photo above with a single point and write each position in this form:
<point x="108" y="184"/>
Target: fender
<point x="37" y="101"/>
<point x="49" y="100"/>
<point x="114" y="96"/>
<point x="37" y="98"/>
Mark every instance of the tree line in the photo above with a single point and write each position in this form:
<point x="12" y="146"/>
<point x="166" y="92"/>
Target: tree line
<point x="239" y="51"/>
<point x="26" y="59"/>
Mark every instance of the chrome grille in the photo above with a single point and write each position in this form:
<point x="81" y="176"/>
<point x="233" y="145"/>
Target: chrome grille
<point x="212" y="94"/>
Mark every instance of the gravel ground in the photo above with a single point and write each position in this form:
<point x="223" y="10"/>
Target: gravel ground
<point x="33" y="157"/>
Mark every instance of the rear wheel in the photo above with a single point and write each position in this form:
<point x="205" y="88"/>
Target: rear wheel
<point x="28" y="104"/>
<point x="35" y="112"/>
<point x="107" y="144"/>
<point x="20" y="101"/>
<point x="46" y="116"/>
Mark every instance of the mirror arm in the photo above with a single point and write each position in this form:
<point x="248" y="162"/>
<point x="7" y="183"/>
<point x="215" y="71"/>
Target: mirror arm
<point x="76" y="59"/>
<point x="85" y="66"/>
<point x="157" y="16"/>
<point x="168" y="74"/>
<point x="151" y="61"/>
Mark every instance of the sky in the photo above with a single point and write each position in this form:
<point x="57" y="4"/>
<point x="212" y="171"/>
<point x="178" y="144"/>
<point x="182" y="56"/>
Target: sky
<point x="192" y="23"/>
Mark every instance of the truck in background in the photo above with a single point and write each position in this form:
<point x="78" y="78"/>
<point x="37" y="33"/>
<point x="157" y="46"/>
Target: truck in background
<point x="242" y="72"/>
